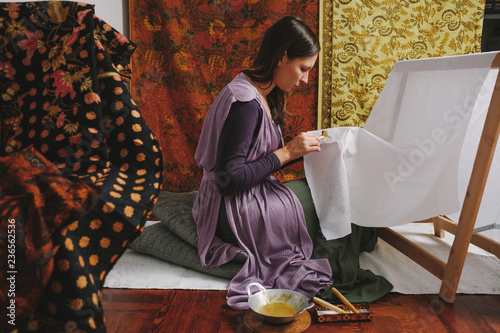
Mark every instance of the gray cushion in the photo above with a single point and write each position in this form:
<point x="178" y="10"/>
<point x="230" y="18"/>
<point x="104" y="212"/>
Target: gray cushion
<point x="174" y="211"/>
<point x="157" y="240"/>
<point x="174" y="238"/>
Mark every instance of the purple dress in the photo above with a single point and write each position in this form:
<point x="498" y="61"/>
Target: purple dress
<point x="266" y="219"/>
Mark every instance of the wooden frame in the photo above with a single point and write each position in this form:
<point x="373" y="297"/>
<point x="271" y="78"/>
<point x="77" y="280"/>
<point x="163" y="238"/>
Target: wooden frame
<point x="449" y="273"/>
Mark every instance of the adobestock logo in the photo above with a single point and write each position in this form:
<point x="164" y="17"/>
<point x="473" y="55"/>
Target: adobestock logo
<point x="425" y="149"/>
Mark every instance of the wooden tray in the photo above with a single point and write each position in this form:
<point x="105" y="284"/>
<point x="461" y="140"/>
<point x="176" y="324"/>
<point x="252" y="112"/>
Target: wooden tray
<point x="323" y="315"/>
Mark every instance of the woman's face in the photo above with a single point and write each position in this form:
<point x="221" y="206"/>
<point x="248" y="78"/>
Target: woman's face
<point x="290" y="72"/>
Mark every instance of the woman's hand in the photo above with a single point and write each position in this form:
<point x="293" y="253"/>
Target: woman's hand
<point x="301" y="145"/>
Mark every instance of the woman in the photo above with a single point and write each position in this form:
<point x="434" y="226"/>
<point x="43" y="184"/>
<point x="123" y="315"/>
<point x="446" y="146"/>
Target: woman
<point x="241" y="207"/>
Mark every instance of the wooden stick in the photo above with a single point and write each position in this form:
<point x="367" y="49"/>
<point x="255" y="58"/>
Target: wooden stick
<point x="488" y="244"/>
<point x="344" y="300"/>
<point x="413" y="251"/>
<point x="328" y="305"/>
<point x="473" y="196"/>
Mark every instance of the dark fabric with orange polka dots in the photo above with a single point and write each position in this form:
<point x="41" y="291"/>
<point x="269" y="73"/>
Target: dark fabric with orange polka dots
<point x="64" y="98"/>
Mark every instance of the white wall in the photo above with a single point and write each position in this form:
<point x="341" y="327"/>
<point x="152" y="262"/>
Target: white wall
<point x="114" y="12"/>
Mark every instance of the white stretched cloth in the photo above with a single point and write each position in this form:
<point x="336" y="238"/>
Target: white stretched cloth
<point x="403" y="165"/>
<point x="489" y="211"/>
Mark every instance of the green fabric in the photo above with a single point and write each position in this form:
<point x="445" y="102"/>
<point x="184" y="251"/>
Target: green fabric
<point x="356" y="284"/>
<point x="303" y="193"/>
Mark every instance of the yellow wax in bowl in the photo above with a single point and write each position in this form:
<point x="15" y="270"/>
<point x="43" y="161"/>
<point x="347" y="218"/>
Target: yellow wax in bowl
<point x="277" y="310"/>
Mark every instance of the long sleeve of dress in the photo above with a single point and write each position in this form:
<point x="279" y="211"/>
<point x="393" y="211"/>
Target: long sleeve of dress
<point x="232" y="171"/>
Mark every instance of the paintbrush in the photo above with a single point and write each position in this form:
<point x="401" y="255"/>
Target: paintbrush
<point x="344" y="300"/>
<point x="328" y="305"/>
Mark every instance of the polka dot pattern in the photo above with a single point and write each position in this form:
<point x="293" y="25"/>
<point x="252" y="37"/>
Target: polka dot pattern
<point x="73" y="106"/>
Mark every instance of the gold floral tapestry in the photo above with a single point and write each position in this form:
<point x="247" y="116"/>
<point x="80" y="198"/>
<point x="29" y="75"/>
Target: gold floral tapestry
<point x="362" y="40"/>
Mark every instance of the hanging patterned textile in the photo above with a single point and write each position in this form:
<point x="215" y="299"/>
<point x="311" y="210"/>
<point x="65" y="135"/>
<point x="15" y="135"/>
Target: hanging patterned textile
<point x="362" y="40"/>
<point x="80" y="169"/>
<point x="187" y="51"/>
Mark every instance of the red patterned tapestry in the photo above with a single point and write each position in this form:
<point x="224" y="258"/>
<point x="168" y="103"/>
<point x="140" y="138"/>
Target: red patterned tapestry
<point x="187" y="52"/>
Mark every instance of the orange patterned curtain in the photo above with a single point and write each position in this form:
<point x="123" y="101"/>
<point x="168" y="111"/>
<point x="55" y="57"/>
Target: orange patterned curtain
<point x="187" y="51"/>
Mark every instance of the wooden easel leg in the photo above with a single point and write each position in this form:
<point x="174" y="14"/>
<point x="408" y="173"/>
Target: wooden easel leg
<point x="483" y="242"/>
<point x="456" y="260"/>
<point x="413" y="251"/>
<point x="473" y="196"/>
<point x="438" y="231"/>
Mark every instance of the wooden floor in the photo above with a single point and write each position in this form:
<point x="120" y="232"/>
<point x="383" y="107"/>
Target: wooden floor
<point x="179" y="311"/>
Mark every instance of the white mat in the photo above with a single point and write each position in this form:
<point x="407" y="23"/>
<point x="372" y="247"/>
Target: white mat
<point x="481" y="273"/>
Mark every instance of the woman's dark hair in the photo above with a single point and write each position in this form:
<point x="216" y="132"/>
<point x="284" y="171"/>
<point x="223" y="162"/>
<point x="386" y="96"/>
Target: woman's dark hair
<point x="290" y="35"/>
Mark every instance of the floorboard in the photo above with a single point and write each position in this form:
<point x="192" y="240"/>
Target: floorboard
<point x="141" y="311"/>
